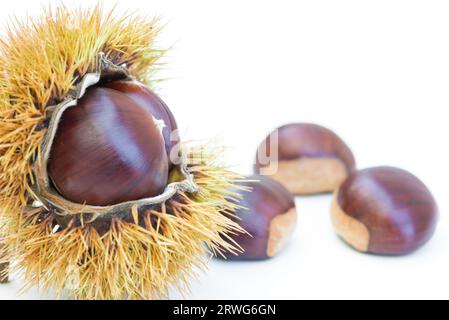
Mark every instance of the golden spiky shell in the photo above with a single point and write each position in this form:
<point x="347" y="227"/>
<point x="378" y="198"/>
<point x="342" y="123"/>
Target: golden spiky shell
<point x="139" y="257"/>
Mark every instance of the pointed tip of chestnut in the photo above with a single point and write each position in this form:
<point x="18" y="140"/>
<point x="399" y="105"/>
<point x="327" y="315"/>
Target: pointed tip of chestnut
<point x="269" y="216"/>
<point x="108" y="150"/>
<point x="384" y="210"/>
<point x="306" y="158"/>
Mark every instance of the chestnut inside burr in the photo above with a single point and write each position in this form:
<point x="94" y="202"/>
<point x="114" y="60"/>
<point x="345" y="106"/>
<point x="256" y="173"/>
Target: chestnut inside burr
<point x="108" y="149"/>
<point x="155" y="106"/>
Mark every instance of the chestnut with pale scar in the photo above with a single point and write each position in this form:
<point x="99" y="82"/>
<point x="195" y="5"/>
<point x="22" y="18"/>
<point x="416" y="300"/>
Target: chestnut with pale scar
<point x="269" y="217"/>
<point x="384" y="210"/>
<point x="306" y="158"/>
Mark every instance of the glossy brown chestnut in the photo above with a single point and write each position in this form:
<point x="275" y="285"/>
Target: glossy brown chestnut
<point x="306" y="158"/>
<point x="384" y="210"/>
<point x="108" y="149"/>
<point x="154" y="105"/>
<point x="269" y="217"/>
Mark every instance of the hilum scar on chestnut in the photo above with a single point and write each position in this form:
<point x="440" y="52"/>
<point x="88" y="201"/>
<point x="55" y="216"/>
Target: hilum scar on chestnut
<point x="268" y="214"/>
<point x="384" y="210"/>
<point x="306" y="158"/>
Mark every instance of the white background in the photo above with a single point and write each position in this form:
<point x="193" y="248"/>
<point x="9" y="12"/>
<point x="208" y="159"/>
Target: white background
<point x="376" y="72"/>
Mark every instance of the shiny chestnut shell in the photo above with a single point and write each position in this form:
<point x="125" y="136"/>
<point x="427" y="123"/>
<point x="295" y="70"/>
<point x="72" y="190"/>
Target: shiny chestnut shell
<point x="384" y="210"/>
<point x="268" y="215"/>
<point x="305" y="157"/>
<point x="108" y="150"/>
<point x="154" y="105"/>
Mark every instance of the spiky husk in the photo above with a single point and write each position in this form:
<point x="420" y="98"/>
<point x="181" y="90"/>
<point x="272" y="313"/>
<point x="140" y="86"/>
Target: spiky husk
<point x="133" y="260"/>
<point x="41" y="61"/>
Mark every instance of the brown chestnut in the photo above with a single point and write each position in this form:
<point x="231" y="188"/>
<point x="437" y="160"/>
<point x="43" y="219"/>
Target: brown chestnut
<point x="384" y="210"/>
<point x="306" y="158"/>
<point x="155" y="106"/>
<point x="268" y="215"/>
<point x="109" y="149"/>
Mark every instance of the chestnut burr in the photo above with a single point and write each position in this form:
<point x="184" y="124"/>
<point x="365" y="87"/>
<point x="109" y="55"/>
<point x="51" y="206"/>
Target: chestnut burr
<point x="4" y="269"/>
<point x="306" y="158"/>
<point x="269" y="217"/>
<point x="4" y="278"/>
<point x="384" y="210"/>
<point x="108" y="149"/>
